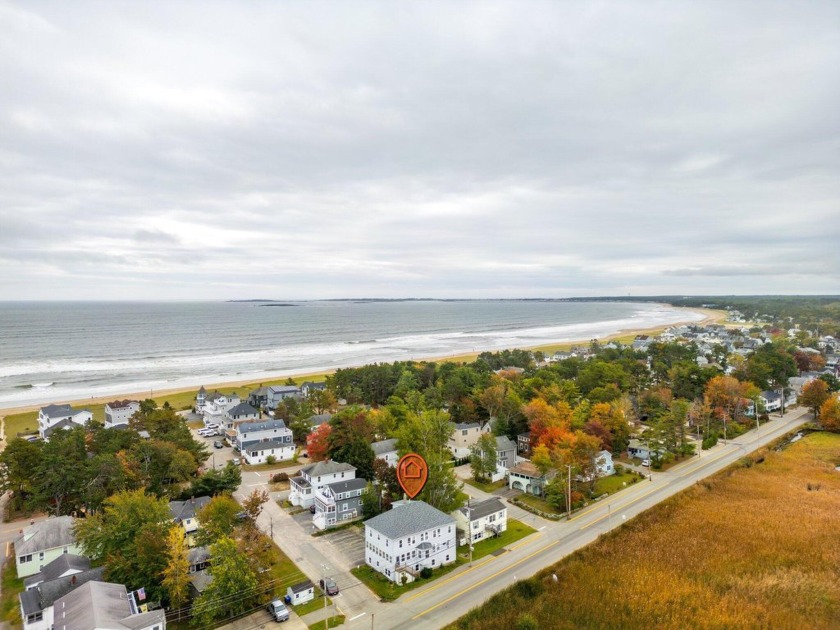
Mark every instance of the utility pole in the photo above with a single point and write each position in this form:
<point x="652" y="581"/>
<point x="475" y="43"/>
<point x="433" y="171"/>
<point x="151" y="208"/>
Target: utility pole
<point x="326" y="615"/>
<point x="469" y="527"/>
<point x="569" y="494"/>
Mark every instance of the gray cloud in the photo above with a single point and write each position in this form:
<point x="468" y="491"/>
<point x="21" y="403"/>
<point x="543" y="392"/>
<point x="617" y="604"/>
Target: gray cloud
<point x="337" y="150"/>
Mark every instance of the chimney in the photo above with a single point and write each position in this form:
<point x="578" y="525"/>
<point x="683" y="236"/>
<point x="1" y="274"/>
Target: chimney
<point x="192" y="500"/>
<point x="73" y="580"/>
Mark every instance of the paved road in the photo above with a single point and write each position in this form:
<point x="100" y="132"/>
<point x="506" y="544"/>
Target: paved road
<point x="447" y="599"/>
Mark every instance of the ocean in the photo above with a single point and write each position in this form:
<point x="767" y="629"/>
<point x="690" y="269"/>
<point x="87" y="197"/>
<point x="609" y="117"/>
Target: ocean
<point x="61" y="351"/>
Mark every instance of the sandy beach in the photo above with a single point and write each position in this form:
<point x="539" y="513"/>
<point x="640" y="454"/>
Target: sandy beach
<point x="710" y="316"/>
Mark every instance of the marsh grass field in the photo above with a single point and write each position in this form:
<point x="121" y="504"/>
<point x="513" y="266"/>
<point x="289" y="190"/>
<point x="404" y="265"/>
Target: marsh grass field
<point x="755" y="546"/>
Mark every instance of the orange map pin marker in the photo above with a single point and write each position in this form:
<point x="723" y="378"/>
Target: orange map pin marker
<point x="412" y="472"/>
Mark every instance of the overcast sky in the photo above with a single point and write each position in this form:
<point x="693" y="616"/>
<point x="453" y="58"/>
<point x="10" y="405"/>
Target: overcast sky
<point x="192" y="150"/>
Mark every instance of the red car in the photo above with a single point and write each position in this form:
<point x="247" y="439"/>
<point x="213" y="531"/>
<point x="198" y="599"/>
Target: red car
<point x="329" y="586"/>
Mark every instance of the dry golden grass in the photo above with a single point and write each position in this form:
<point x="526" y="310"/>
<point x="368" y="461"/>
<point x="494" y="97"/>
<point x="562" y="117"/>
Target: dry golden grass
<point x="752" y="547"/>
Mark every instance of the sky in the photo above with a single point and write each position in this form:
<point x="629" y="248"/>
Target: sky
<point x="306" y="150"/>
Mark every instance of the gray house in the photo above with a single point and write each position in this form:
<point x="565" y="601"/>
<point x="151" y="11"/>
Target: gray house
<point x="104" y="606"/>
<point x="338" y="502"/>
<point x="37" y="602"/>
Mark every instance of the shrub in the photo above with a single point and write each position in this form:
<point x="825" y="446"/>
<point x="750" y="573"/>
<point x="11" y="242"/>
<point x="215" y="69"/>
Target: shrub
<point x="619" y="469"/>
<point x="528" y="589"/>
<point x="526" y="622"/>
<point x="271" y="459"/>
<point x="281" y="476"/>
<point x="426" y="573"/>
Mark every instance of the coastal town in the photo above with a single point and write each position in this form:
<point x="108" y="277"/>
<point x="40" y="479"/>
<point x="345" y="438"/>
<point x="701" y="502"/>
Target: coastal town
<point x="282" y="501"/>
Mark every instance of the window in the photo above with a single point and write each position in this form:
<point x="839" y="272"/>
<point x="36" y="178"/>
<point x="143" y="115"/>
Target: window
<point x="38" y="616"/>
<point x="464" y="432"/>
<point x="26" y="558"/>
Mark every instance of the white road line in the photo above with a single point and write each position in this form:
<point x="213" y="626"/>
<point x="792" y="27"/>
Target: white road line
<point x="541" y="528"/>
<point x="258" y="474"/>
<point x="360" y="615"/>
<point x="251" y="485"/>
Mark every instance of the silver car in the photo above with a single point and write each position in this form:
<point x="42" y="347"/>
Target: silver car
<point x="277" y="609"/>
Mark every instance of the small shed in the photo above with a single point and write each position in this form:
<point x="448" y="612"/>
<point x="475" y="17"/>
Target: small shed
<point x="300" y="593"/>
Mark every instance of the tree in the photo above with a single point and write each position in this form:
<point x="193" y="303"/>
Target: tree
<point x="350" y="439"/>
<point x="541" y="458"/>
<point x="215" y="481"/>
<point x="233" y="588"/>
<point x="217" y="519"/>
<point x="60" y="476"/>
<point x="372" y="501"/>
<point x="176" y="574"/>
<point x="17" y="461"/>
<point x="317" y="443"/>
<point x="253" y="504"/>
<point x="830" y="414"/>
<point x="814" y="395"/>
<point x="483" y="457"/>
<point x="129" y="536"/>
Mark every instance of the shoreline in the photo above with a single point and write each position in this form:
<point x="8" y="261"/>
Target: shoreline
<point x="711" y="316"/>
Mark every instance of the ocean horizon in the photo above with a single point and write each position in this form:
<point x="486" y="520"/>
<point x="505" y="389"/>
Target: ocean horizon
<point x="61" y="351"/>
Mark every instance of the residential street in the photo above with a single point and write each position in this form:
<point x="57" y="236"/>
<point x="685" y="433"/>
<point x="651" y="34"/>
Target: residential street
<point x="444" y="600"/>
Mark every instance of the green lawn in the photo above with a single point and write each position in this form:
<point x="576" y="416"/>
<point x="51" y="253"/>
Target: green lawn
<point x="312" y="606"/>
<point x="387" y="590"/>
<point x="537" y="503"/>
<point x="332" y="622"/>
<point x="516" y="530"/>
<point x="12" y="587"/>
<point x="486" y="487"/>
<point x="614" y="483"/>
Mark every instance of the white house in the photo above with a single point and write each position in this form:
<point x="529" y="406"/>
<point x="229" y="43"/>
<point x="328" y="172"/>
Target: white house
<point x="301" y="593"/>
<point x="257" y="441"/>
<point x="387" y="450"/>
<point x="314" y="477"/>
<point x="104" y="606"/>
<point x="409" y="537"/>
<point x="41" y="543"/>
<point x="308" y="387"/>
<point x="119" y="412"/>
<point x="480" y="520"/>
<point x="54" y="417"/>
<point x="771" y="400"/>
<point x="338" y="502"/>
<point x="527" y="478"/>
<point x="464" y="436"/>
<point x="184" y="513"/>
<point x="37" y="602"/>
<point x="317" y="420"/>
<point x="216" y="406"/>
<point x="604" y="464"/>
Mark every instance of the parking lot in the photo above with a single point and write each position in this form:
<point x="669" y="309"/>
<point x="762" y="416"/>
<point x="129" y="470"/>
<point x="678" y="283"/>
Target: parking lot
<point x="349" y="543"/>
<point x="218" y="456"/>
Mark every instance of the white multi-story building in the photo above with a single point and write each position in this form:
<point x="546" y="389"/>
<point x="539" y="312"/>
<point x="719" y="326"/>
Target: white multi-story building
<point x="104" y="606"/>
<point x="338" y="502"/>
<point x="409" y="537"/>
<point x="314" y="477"/>
<point x="54" y="417"/>
<point x="119" y="412"/>
<point x="41" y="543"/>
<point x="257" y="441"/>
<point x="61" y="576"/>
<point x="216" y="406"/>
<point x="465" y="436"/>
<point x="387" y="450"/>
<point x="481" y="520"/>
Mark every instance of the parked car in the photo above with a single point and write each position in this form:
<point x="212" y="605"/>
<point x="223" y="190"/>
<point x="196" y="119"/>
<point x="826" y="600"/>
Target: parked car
<point x="236" y="461"/>
<point x="645" y="462"/>
<point x="218" y="444"/>
<point x="277" y="609"/>
<point x="312" y="509"/>
<point x="329" y="586"/>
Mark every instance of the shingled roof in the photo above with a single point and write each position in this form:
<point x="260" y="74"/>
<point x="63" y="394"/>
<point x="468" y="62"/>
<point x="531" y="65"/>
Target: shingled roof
<point x="408" y="518"/>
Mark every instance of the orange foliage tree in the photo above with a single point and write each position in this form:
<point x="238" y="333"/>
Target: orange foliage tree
<point x="830" y="414"/>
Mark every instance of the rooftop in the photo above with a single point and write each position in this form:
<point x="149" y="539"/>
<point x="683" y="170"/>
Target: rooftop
<point x="49" y="534"/>
<point x="182" y="510"/>
<point x="408" y="518"/>
<point x="482" y="508"/>
<point x="327" y="467"/>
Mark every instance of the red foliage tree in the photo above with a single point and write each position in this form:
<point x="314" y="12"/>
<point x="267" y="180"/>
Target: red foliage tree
<point x="317" y="443"/>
